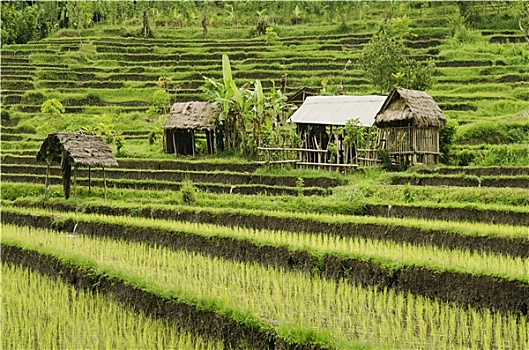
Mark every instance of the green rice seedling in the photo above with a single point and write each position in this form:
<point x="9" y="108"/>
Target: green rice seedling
<point x="288" y="300"/>
<point x="41" y="312"/>
<point x="388" y="253"/>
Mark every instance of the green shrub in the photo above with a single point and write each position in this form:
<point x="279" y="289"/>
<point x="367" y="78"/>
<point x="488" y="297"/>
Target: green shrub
<point x="160" y="101"/>
<point x="26" y="128"/>
<point x="271" y="36"/>
<point x="503" y="155"/>
<point x="5" y="115"/>
<point x="494" y="133"/>
<point x="33" y="97"/>
<point x="463" y="157"/>
<point x="188" y="192"/>
<point x="52" y="106"/>
<point x="119" y="140"/>
<point x="299" y="186"/>
<point x="446" y="139"/>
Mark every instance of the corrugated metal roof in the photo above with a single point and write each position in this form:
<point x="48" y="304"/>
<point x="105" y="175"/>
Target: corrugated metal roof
<point x="337" y="110"/>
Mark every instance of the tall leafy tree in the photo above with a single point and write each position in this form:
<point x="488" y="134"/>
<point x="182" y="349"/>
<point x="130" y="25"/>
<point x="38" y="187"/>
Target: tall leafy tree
<point x="520" y="11"/>
<point x="22" y="23"/>
<point x="387" y="61"/>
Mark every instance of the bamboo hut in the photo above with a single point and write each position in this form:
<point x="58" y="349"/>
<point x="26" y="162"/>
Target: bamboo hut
<point x="71" y="148"/>
<point x="408" y="127"/>
<point x="320" y="122"/>
<point x="187" y="125"/>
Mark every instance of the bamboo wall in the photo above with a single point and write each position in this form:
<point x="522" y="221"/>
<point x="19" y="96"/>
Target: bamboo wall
<point x="420" y="144"/>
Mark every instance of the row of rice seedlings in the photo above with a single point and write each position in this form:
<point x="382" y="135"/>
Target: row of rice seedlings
<point x="168" y="185"/>
<point x="41" y="312"/>
<point x="389" y="253"/>
<point x="123" y="172"/>
<point x="291" y="300"/>
<point x="452" y="227"/>
<point x="414" y="176"/>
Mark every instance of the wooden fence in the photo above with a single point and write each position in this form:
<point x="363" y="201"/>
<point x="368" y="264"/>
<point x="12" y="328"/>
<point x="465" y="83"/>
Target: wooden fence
<point x="300" y="157"/>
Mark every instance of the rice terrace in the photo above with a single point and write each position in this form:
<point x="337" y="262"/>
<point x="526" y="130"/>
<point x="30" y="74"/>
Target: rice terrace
<point x="264" y="174"/>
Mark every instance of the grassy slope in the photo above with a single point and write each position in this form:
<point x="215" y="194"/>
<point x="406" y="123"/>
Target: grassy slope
<point x="98" y="71"/>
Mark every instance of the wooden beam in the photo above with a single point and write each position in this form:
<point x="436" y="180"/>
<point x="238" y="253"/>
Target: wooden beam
<point x="193" y="142"/>
<point x="105" y="183"/>
<point x="174" y="142"/>
<point x="75" y="182"/>
<point x="89" y="180"/>
<point x="46" y="182"/>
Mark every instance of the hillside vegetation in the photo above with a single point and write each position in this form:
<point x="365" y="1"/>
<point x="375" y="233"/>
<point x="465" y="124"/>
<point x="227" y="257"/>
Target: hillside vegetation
<point x="110" y="78"/>
<point x="227" y="252"/>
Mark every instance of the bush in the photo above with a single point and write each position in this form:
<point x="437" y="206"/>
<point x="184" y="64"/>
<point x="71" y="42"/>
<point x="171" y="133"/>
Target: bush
<point x="25" y="128"/>
<point x="5" y="115"/>
<point x="447" y="136"/>
<point x="52" y="106"/>
<point x="463" y="157"/>
<point x="494" y="133"/>
<point x="33" y="97"/>
<point x="188" y="192"/>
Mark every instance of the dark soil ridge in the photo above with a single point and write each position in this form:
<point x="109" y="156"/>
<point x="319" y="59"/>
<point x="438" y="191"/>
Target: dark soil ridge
<point x="504" y="217"/>
<point x="233" y="333"/>
<point x="179" y="176"/>
<point x="249" y="189"/>
<point x="481" y="171"/>
<point x="81" y="109"/>
<point x="464" y="289"/>
<point x="148" y="164"/>
<point x="517" y="247"/>
<point x="521" y="182"/>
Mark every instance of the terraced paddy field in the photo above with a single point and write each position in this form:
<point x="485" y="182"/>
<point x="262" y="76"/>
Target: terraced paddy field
<point x="481" y="83"/>
<point x="425" y="265"/>
<point x="224" y="252"/>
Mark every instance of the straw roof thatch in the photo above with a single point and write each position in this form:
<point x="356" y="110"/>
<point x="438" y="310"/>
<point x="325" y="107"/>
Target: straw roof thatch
<point x="300" y="95"/>
<point x="410" y="107"/>
<point x="194" y="115"/>
<point x="87" y="150"/>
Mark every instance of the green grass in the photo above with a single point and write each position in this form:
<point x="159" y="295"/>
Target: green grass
<point x="44" y="312"/>
<point x="391" y="256"/>
<point x="300" y="46"/>
<point x="288" y="209"/>
<point x="335" y="312"/>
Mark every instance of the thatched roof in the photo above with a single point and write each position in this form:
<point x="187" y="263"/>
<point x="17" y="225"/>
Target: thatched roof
<point x="87" y="150"/>
<point x="410" y="107"/>
<point x="300" y="95"/>
<point x="194" y="115"/>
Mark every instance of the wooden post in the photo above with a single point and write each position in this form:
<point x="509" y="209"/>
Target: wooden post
<point x="214" y="141"/>
<point x="414" y="140"/>
<point x="75" y="183"/>
<point x="89" y="180"/>
<point x="193" y="141"/>
<point x="174" y="143"/>
<point x="105" y="183"/>
<point x="46" y="183"/>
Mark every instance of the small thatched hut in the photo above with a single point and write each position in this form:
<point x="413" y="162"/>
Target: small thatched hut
<point x="408" y="126"/>
<point x="71" y="148"/>
<point x="299" y="96"/>
<point x="188" y="124"/>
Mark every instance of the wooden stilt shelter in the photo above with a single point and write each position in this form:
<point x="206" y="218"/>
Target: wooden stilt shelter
<point x="189" y="122"/>
<point x="74" y="149"/>
<point x="408" y="127"/>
